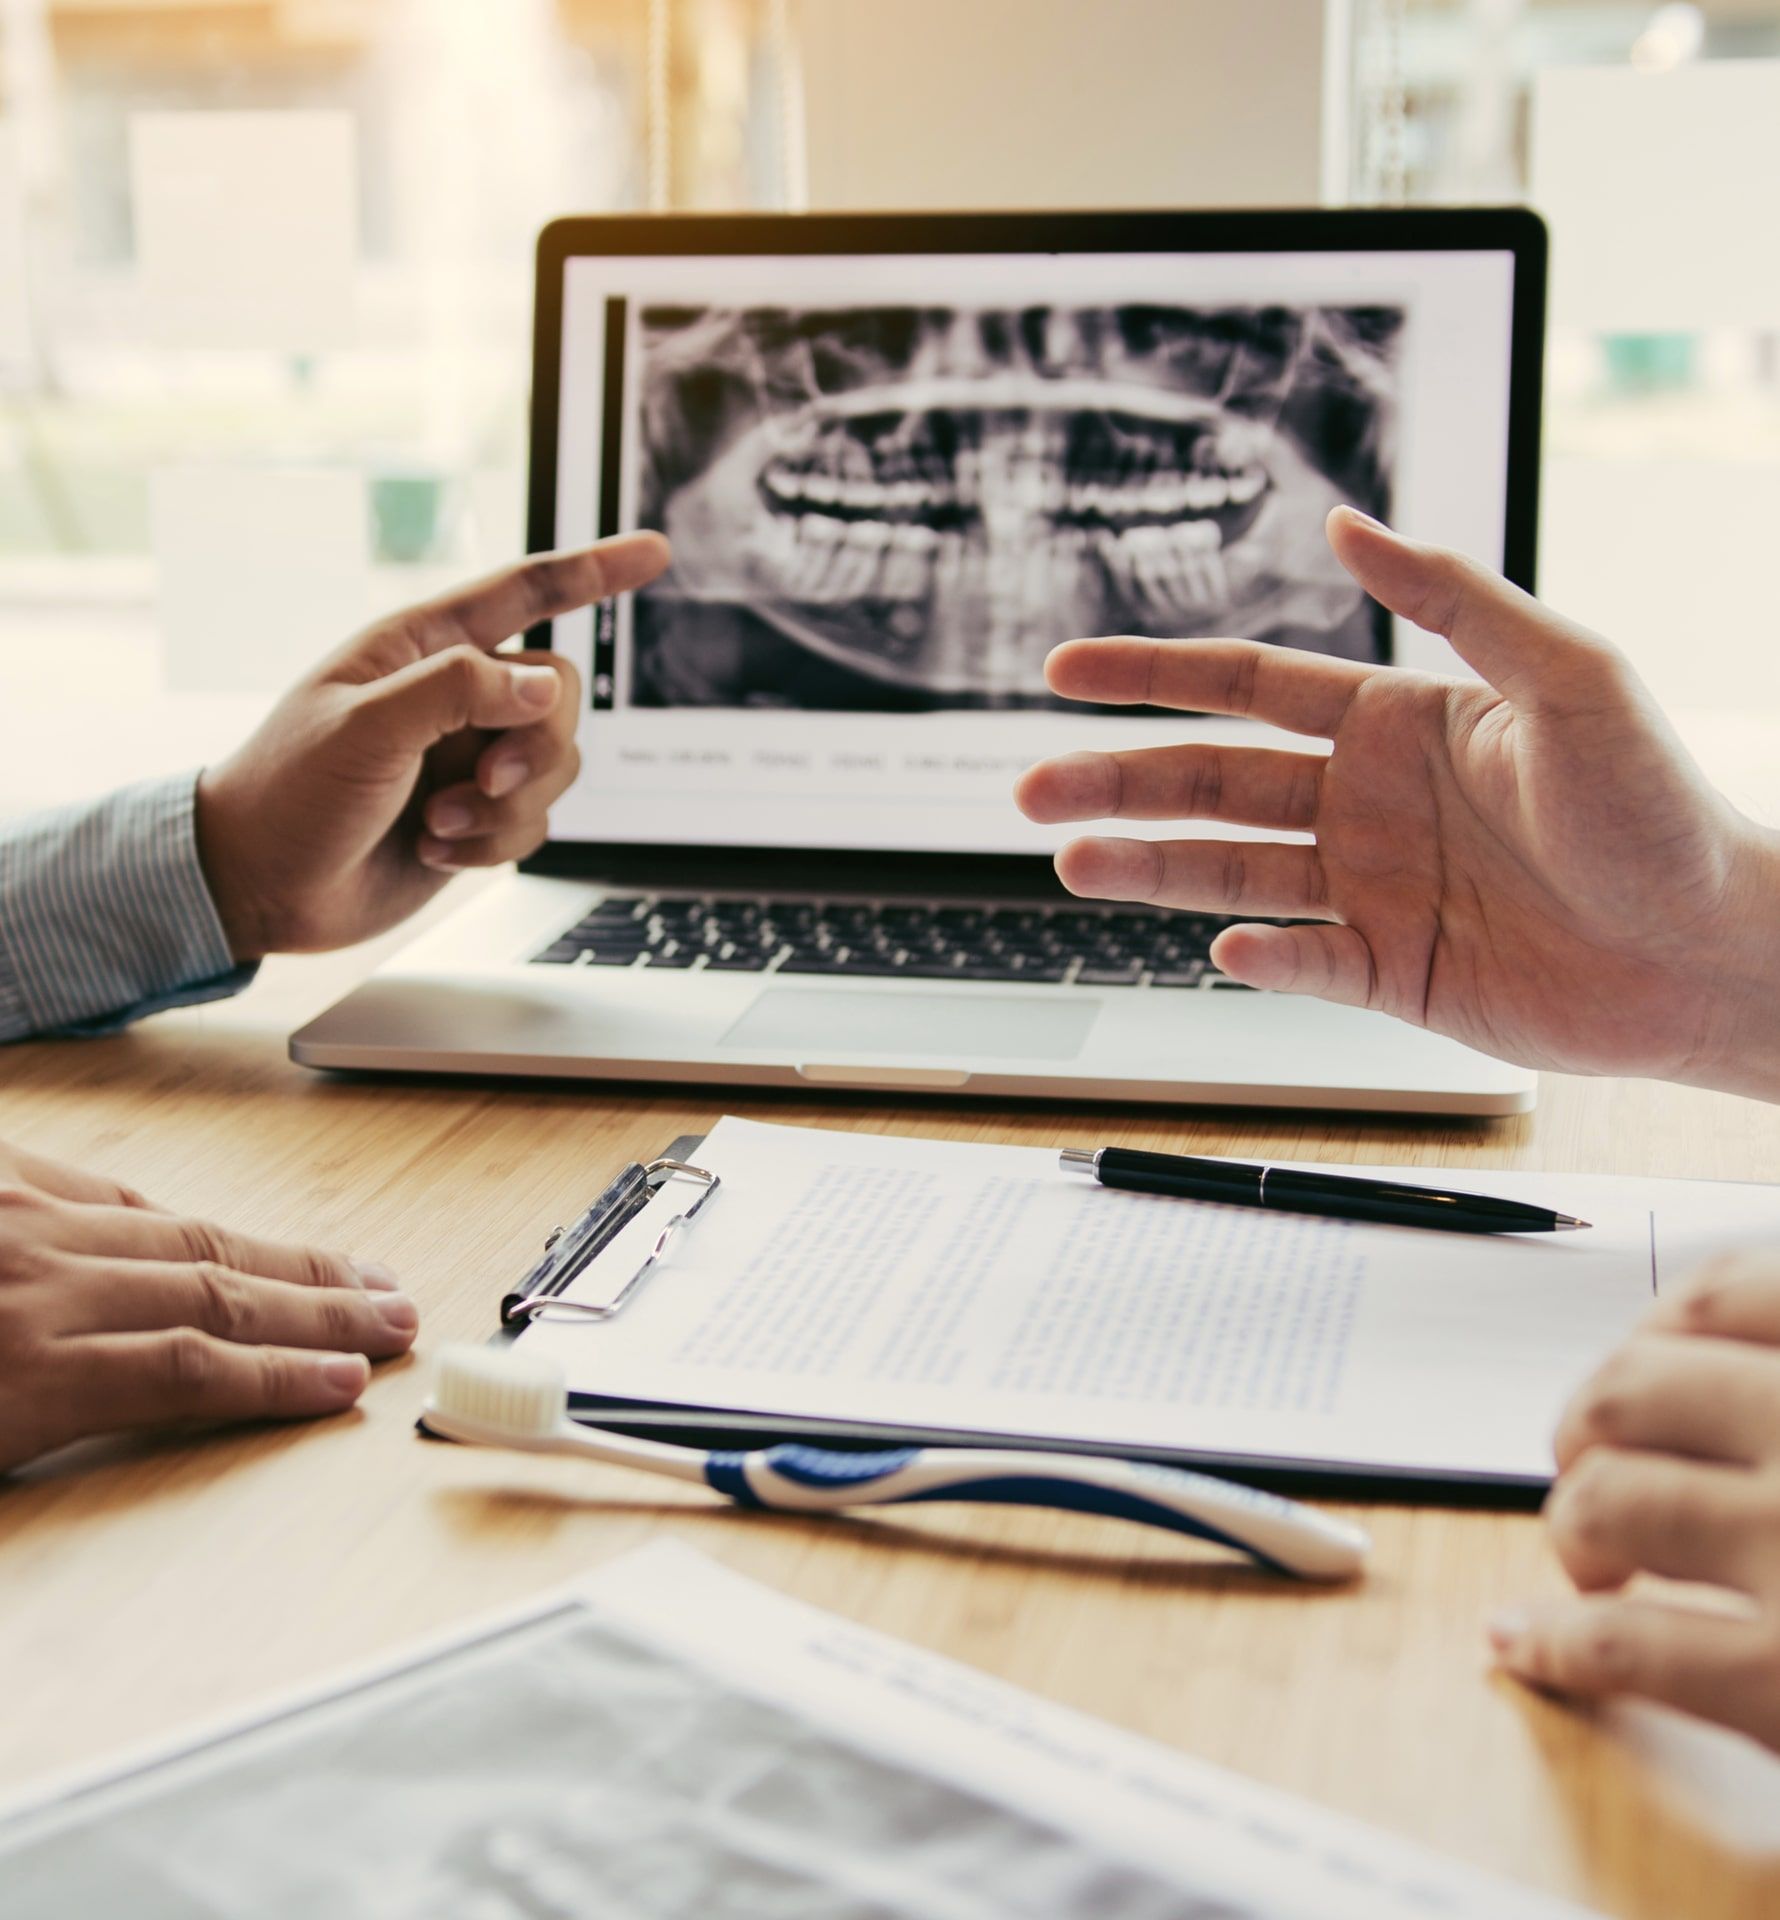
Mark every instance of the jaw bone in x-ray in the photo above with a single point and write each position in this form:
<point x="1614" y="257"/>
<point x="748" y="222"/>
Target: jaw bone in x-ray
<point x="908" y="507"/>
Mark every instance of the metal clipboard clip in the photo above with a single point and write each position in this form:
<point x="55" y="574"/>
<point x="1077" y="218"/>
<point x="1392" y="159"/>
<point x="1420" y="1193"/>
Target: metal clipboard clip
<point x="570" y="1251"/>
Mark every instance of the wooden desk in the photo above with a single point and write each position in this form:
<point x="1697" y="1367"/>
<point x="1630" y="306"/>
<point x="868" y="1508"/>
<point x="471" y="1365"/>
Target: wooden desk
<point x="141" y="1586"/>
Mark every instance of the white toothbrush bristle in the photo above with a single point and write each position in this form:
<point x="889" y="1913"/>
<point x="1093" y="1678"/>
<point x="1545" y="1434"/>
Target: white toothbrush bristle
<point x="521" y="1395"/>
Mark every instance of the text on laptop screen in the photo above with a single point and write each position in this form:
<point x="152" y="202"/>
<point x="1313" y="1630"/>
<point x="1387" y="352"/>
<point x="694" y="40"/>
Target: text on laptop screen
<point x="894" y="482"/>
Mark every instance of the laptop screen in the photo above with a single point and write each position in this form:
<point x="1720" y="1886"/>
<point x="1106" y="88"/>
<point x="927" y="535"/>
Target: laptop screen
<point x="894" y="480"/>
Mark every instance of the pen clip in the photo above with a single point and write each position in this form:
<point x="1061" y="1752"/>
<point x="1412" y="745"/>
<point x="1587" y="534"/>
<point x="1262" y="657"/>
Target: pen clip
<point x="568" y="1254"/>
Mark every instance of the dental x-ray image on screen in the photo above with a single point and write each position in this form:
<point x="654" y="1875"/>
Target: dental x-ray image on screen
<point x="900" y="507"/>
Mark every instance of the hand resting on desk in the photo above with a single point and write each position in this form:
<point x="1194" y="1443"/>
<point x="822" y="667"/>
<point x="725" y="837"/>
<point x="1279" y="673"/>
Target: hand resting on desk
<point x="1670" y="1465"/>
<point x="412" y="752"/>
<point x="115" y="1314"/>
<point x="1530" y="862"/>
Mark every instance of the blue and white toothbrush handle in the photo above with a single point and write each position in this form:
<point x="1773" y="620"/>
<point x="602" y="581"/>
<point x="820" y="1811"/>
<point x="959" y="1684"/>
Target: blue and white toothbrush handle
<point x="1280" y="1533"/>
<point x="506" y="1398"/>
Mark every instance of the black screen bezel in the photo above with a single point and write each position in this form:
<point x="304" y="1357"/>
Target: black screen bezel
<point x="1513" y="230"/>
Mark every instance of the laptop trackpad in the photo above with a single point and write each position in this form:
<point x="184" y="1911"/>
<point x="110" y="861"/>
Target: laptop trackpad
<point x="809" y="1022"/>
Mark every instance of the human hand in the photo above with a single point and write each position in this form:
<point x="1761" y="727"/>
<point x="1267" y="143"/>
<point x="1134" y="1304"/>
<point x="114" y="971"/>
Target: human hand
<point x="1669" y="1464"/>
<point x="115" y="1314"/>
<point x="1532" y="863"/>
<point x="410" y="754"/>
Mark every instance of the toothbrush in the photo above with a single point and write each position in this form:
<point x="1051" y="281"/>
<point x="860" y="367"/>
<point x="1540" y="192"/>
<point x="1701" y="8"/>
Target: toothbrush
<point x="489" y="1397"/>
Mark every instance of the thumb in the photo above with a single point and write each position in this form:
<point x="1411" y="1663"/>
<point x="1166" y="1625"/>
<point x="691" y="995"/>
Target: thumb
<point x="461" y="687"/>
<point x="1521" y="648"/>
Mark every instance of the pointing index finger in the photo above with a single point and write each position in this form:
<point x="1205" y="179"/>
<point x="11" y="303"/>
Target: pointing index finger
<point x="1302" y="692"/>
<point x="495" y="609"/>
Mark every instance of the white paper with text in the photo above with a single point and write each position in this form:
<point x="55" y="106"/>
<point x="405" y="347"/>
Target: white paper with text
<point x="870" y="1278"/>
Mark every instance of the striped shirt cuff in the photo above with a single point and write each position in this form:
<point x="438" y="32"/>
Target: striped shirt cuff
<point x="104" y="914"/>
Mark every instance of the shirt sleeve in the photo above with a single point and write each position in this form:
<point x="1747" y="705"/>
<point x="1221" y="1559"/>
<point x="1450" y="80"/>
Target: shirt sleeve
<point x="105" y="916"/>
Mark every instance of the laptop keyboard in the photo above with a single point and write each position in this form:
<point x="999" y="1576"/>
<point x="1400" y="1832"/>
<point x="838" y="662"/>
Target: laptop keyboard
<point x="1082" y="946"/>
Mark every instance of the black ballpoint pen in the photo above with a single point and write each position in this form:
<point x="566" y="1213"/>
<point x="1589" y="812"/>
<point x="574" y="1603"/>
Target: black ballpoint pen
<point x="1335" y="1195"/>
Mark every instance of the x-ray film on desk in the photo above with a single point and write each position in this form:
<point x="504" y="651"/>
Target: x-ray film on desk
<point x="665" y="1740"/>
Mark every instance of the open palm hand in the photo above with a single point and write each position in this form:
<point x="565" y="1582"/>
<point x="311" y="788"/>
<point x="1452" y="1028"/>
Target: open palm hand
<point x="1530" y="862"/>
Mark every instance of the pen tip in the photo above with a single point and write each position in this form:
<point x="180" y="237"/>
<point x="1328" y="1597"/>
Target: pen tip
<point x="1565" y="1223"/>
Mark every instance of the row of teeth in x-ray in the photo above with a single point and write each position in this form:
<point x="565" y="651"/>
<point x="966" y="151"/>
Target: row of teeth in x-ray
<point x="1039" y="489"/>
<point x="1176" y="569"/>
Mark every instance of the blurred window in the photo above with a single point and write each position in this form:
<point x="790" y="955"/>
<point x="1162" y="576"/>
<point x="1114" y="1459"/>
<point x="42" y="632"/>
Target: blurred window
<point x="1662" y="481"/>
<point x="472" y="122"/>
<point x="1443" y="87"/>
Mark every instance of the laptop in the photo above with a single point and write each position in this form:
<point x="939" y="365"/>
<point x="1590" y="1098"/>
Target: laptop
<point x="899" y="458"/>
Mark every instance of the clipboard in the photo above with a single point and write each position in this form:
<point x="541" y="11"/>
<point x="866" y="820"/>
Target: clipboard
<point x="569" y="1250"/>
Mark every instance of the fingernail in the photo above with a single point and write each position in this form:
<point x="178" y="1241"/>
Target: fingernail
<point x="374" y="1276"/>
<point x="344" y="1374"/>
<point x="502" y="776"/>
<point x="438" y="858"/>
<point x="1507" y="1630"/>
<point x="398" y="1312"/>
<point x="534" y="686"/>
<point x="1366" y="519"/>
<point x="448" y="818"/>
